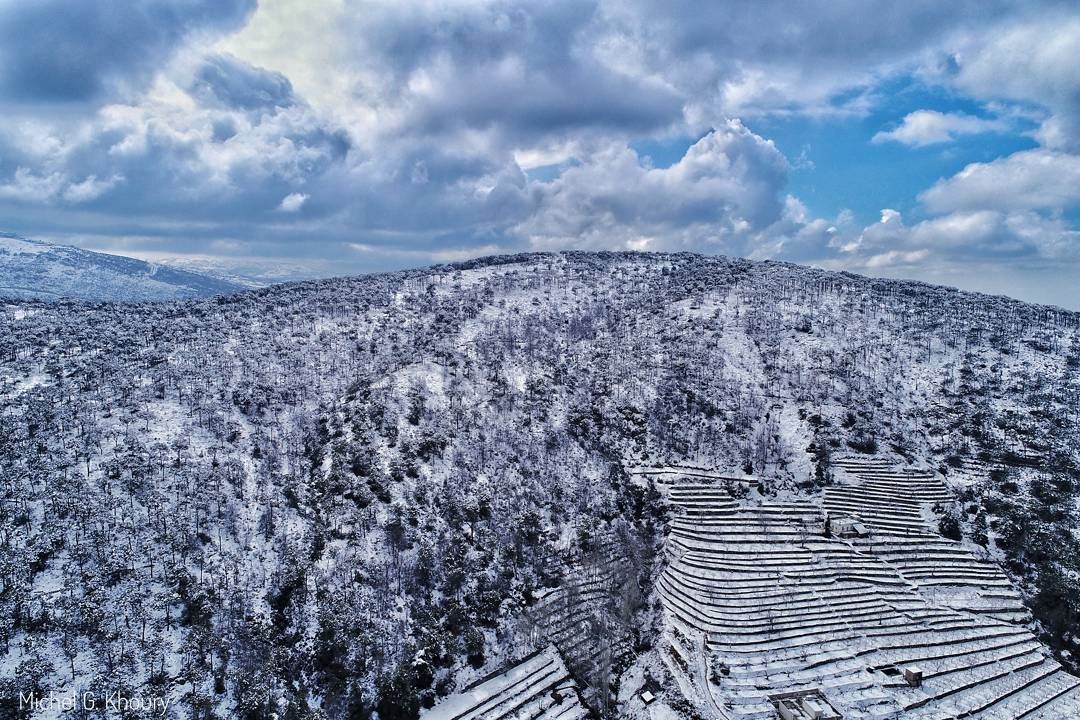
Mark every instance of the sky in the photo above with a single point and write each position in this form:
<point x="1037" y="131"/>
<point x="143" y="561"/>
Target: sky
<point x="291" y="138"/>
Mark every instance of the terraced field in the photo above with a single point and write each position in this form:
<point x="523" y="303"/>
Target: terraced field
<point x="858" y="597"/>
<point x="574" y="624"/>
<point x="537" y="688"/>
<point x="574" y="616"/>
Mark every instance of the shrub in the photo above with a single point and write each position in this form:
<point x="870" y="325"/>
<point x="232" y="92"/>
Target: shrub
<point x="949" y="525"/>
<point x="864" y="445"/>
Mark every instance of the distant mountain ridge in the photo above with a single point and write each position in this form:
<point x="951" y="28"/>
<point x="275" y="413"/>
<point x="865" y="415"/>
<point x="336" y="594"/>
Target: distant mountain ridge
<point x="34" y="269"/>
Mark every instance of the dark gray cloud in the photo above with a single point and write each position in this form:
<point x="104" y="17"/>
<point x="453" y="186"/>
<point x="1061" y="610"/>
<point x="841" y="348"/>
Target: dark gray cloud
<point x="774" y="56"/>
<point x="829" y="34"/>
<point x="524" y="70"/>
<point x="57" y="50"/>
<point x="234" y="83"/>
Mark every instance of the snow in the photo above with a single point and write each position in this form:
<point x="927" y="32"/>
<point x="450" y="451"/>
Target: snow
<point x="543" y="379"/>
<point x="37" y="270"/>
<point x="521" y="691"/>
<point x="743" y="559"/>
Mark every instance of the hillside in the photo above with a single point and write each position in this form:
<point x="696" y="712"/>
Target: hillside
<point x="652" y="472"/>
<point x="33" y="269"/>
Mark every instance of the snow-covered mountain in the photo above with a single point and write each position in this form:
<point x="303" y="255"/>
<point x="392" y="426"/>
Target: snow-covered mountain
<point x="257" y="272"/>
<point x="36" y="269"/>
<point x="650" y="485"/>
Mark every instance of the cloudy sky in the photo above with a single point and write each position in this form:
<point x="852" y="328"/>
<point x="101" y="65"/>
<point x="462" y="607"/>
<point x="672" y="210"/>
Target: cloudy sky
<point x="933" y="140"/>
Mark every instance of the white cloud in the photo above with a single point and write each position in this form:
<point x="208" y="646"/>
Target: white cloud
<point x="1033" y="60"/>
<point x="44" y="189"/>
<point x="27" y="186"/>
<point x="727" y="187"/>
<point x="90" y="189"/>
<point x="962" y="236"/>
<point x="1027" y="180"/>
<point x="930" y="127"/>
<point x="292" y="202"/>
<point x="889" y="216"/>
<point x="797" y="235"/>
<point x="896" y="258"/>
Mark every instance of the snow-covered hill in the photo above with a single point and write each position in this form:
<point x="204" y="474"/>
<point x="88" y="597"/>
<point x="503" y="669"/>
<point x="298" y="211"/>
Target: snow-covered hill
<point x="714" y="481"/>
<point x="40" y="270"/>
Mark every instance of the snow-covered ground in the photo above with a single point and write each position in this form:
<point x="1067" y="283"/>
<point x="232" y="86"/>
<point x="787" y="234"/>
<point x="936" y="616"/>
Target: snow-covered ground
<point x="307" y="499"/>
<point x="762" y="600"/>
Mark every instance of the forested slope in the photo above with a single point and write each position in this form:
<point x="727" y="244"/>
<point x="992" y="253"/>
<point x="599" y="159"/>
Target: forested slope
<point x="343" y="497"/>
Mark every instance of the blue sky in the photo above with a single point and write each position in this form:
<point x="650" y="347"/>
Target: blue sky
<point x="847" y="169"/>
<point x="837" y="166"/>
<point x="290" y="138"/>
